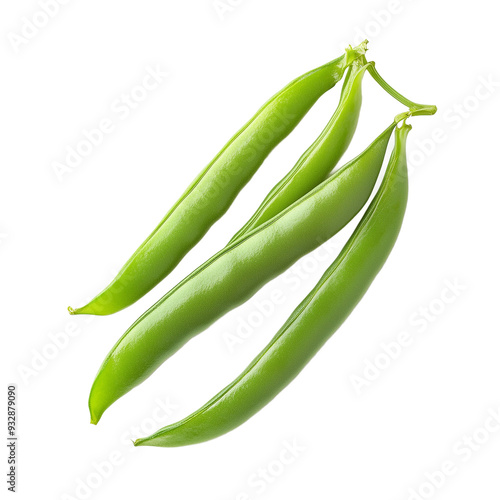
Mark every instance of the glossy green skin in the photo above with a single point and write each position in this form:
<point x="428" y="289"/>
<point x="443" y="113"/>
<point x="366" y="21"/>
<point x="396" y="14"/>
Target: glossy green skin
<point x="313" y="322"/>
<point x="234" y="274"/>
<point x="216" y="187"/>
<point x="320" y="158"/>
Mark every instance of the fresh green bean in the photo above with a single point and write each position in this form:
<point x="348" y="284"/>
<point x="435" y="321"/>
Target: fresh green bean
<point x="216" y="187"/>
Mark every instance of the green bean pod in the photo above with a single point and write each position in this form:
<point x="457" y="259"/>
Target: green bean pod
<point x="313" y="322"/>
<point x="234" y="274"/>
<point x="216" y="187"/>
<point x="320" y="158"/>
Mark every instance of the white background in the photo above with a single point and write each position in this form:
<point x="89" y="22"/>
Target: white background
<point x="62" y="240"/>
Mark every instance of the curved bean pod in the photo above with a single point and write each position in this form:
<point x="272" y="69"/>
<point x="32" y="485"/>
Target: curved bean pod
<point x="216" y="187"/>
<point x="234" y="274"/>
<point x="320" y="158"/>
<point x="313" y="322"/>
